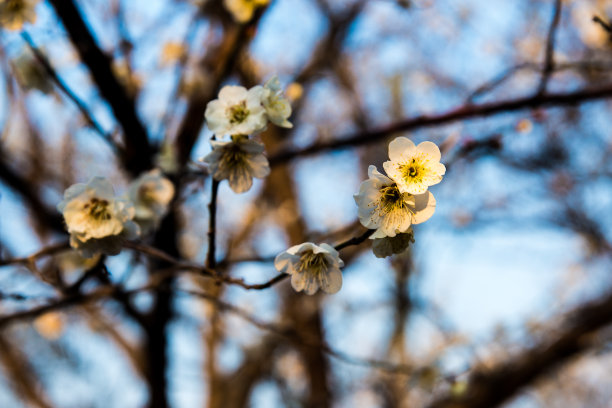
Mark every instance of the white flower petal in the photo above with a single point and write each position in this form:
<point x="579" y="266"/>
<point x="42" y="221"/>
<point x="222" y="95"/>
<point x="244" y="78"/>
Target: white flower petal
<point x="431" y="150"/>
<point x="399" y="147"/>
<point x="298" y="281"/>
<point x="425" y="206"/>
<point x="232" y="94"/>
<point x="284" y="262"/>
<point x="309" y="270"/>
<point x="331" y="282"/>
<point x="311" y="284"/>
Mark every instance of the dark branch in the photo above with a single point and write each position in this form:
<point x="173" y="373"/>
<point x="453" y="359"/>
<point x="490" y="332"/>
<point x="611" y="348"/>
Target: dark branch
<point x="488" y="389"/>
<point x="549" y="58"/>
<point x="42" y="60"/>
<point x="212" y="224"/>
<point x="138" y="154"/>
<point x="43" y="214"/>
<point x="462" y="113"/>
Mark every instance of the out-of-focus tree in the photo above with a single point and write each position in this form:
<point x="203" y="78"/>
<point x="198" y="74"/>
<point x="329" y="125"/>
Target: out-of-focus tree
<point x="230" y="203"/>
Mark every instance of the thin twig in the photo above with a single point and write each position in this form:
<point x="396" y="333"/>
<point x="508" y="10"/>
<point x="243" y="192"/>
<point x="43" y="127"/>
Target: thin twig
<point x="212" y="224"/>
<point x="549" y="59"/>
<point x="604" y="24"/>
<point x="291" y="334"/>
<point x="137" y="155"/>
<point x="44" y="61"/>
<point x="355" y="241"/>
<point x="50" y="250"/>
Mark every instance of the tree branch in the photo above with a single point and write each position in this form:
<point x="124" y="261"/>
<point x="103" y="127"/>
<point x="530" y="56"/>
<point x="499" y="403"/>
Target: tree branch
<point x="461" y="113"/>
<point x="488" y="389"/>
<point x="549" y="58"/>
<point x="137" y="156"/>
<point x="42" y="60"/>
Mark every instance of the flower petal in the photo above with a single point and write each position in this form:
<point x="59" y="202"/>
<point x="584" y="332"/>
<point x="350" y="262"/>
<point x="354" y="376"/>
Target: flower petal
<point x="431" y="150"/>
<point x="400" y="146"/>
<point x="331" y="282"/>
<point x="425" y="206"/>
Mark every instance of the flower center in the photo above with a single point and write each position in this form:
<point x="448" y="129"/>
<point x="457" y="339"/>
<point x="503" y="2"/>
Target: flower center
<point x="413" y="170"/>
<point x="391" y="199"/>
<point x="313" y="263"/>
<point x="98" y="209"/>
<point x="234" y="156"/>
<point x="238" y="113"/>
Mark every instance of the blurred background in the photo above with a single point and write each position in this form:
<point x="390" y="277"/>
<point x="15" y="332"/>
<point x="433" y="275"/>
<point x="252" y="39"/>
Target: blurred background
<point x="503" y="299"/>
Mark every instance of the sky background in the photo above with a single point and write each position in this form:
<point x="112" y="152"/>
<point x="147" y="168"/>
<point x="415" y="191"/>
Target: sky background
<point x="490" y="260"/>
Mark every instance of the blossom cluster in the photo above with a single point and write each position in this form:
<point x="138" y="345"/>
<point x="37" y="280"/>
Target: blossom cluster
<point x="388" y="204"/>
<point x="99" y="222"/>
<point x="241" y="113"/>
<point x="392" y="204"/>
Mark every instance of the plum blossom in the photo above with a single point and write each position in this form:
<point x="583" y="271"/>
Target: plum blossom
<point x="15" y="13"/>
<point x="387" y="246"/>
<point x="238" y="161"/>
<point x="414" y="168"/>
<point x="150" y="193"/>
<point x="382" y="206"/>
<point x="277" y="106"/>
<point x="97" y="220"/>
<point x="238" y="111"/>
<point x="311" y="267"/>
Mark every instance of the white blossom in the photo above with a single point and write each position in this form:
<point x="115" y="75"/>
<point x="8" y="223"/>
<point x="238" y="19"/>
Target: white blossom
<point x="97" y="220"/>
<point x="414" y="168"/>
<point x="242" y="10"/>
<point x="277" y="106"/>
<point x="237" y="111"/>
<point x="237" y="161"/>
<point x="387" y="246"/>
<point x="150" y="193"/>
<point x="382" y="206"/>
<point x="311" y="267"/>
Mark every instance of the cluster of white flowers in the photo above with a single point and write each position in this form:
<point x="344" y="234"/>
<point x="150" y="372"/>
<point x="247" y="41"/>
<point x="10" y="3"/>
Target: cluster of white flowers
<point x="391" y="205"/>
<point x="99" y="222"/>
<point x="239" y="113"/>
<point x="388" y="205"/>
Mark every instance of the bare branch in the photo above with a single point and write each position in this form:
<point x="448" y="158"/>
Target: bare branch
<point x="42" y="59"/>
<point x="549" y="58"/>
<point x="138" y="154"/>
<point x="461" y="113"/>
<point x="491" y="388"/>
